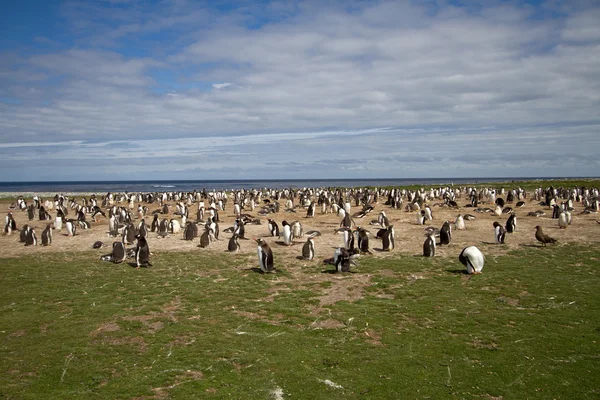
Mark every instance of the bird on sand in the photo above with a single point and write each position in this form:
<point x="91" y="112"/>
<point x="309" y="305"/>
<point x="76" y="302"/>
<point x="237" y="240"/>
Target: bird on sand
<point x="542" y="237"/>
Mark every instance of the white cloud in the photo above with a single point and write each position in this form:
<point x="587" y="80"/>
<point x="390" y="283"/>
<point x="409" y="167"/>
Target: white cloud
<point x="221" y="85"/>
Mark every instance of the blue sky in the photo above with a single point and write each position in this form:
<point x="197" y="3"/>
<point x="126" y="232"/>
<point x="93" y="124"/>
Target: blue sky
<point x="176" y="89"/>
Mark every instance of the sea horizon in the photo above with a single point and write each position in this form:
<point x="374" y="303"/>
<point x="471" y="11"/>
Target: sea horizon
<point x="158" y="185"/>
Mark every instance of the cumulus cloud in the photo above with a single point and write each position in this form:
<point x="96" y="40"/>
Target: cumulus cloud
<point x="405" y="87"/>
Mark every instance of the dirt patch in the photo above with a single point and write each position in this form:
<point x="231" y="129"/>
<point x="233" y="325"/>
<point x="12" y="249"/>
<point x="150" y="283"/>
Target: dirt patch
<point x="345" y="289"/>
<point x="106" y="327"/>
<point x="327" y="324"/>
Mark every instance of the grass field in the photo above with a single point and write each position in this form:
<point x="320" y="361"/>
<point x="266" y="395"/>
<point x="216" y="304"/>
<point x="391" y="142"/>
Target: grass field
<point x="209" y="326"/>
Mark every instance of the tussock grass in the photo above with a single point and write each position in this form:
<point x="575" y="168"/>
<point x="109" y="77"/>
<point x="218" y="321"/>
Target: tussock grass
<point x="208" y="326"/>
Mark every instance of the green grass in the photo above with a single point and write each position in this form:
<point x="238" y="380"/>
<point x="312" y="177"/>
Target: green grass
<point x="206" y="326"/>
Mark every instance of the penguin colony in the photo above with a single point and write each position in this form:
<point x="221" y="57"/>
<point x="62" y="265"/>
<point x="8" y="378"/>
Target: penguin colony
<point x="282" y="220"/>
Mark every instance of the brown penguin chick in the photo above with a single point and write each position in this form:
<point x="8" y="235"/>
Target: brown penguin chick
<point x="542" y="237"/>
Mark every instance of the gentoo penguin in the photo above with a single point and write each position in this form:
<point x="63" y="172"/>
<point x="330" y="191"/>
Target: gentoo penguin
<point x="499" y="232"/>
<point x="445" y="233"/>
<point x="190" y="231"/>
<point x="58" y="221"/>
<point x="129" y="233"/>
<point x="143" y="228"/>
<point x="233" y="244"/>
<point x="118" y="254"/>
<point x="213" y="227"/>
<point x="556" y="211"/>
<point x="511" y="223"/>
<point x="346" y="221"/>
<point x="239" y="228"/>
<point x="429" y="247"/>
<point x="542" y="237"/>
<point x="273" y="228"/>
<point x="348" y="239"/>
<point x="71" y="227"/>
<point x="265" y="256"/>
<point x="205" y="238"/>
<point x="47" y="235"/>
<point x="174" y="226"/>
<point x="297" y="231"/>
<point x="310" y="212"/>
<point x="10" y="224"/>
<point x="30" y="212"/>
<point x="562" y="220"/>
<point x="163" y="228"/>
<point x="142" y="252"/>
<point x="342" y="259"/>
<point x="155" y="223"/>
<point x="421" y="217"/>
<point x="459" y="224"/>
<point x="308" y="249"/>
<point x="286" y="231"/>
<point x="113" y="226"/>
<point x="31" y="238"/>
<point x="388" y="239"/>
<point x="472" y="258"/>
<point x="383" y="220"/>
<point x="498" y="210"/>
<point x="97" y="245"/>
<point x="428" y="213"/>
<point x="23" y="233"/>
<point x="363" y="240"/>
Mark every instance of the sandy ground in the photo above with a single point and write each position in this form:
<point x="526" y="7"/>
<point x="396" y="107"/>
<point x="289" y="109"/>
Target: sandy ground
<point x="409" y="235"/>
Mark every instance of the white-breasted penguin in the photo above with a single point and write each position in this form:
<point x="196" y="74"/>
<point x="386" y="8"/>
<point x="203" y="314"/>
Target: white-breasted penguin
<point x="499" y="232"/>
<point x="388" y="239"/>
<point x="308" y="249"/>
<point x="511" y="223"/>
<point x="30" y="238"/>
<point x="273" y="228"/>
<point x="459" y="223"/>
<point x="472" y="258"/>
<point x="234" y="244"/>
<point x="71" y="227"/>
<point x="383" y="220"/>
<point x="297" y="230"/>
<point x="265" y="256"/>
<point x="142" y="252"/>
<point x="429" y="246"/>
<point x="286" y="232"/>
<point x="563" y="223"/>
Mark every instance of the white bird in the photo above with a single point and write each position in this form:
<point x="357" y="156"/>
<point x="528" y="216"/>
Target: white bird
<point x="472" y="258"/>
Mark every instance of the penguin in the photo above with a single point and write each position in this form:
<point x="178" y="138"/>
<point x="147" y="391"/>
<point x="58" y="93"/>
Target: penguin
<point x="429" y="247"/>
<point x="265" y="256"/>
<point x="190" y="231"/>
<point x="511" y="223"/>
<point x="23" y="233"/>
<point x="10" y="224"/>
<point x="421" y="217"/>
<point x="346" y="220"/>
<point x="428" y="213"/>
<point x="308" y="249"/>
<point x="239" y="228"/>
<point x="233" y="244"/>
<point x="383" y="220"/>
<point x="30" y="212"/>
<point x="388" y="239"/>
<point x="205" y="238"/>
<point x="472" y="258"/>
<point x="58" y="221"/>
<point x="445" y="233"/>
<point x="363" y="240"/>
<point x="128" y="236"/>
<point x="119" y="254"/>
<point x="348" y="239"/>
<point x="287" y="233"/>
<point x="459" y="224"/>
<point x="556" y="211"/>
<point x="499" y="232"/>
<point x="47" y="235"/>
<point x="71" y="227"/>
<point x="143" y="228"/>
<point x="113" y="226"/>
<point x="142" y="252"/>
<point x="163" y="228"/>
<point x="273" y="228"/>
<point x="342" y="259"/>
<point x="310" y="212"/>
<point x="297" y="231"/>
<point x="498" y="211"/>
<point x="97" y="245"/>
<point x="213" y="227"/>
<point x="31" y="238"/>
<point x="562" y="220"/>
<point x="155" y="223"/>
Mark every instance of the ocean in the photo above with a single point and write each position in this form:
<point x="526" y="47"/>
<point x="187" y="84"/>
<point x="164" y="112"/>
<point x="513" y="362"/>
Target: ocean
<point x="191" y="185"/>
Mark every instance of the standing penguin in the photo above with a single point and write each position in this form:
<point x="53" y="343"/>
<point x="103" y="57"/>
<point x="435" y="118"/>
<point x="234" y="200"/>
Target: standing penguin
<point x="472" y="258"/>
<point x="348" y="239"/>
<point x="71" y="227"/>
<point x="297" y="231"/>
<point x="562" y="220"/>
<point x="47" y="235"/>
<point x="363" y="240"/>
<point x="346" y="221"/>
<point x="310" y="212"/>
<point x="459" y="224"/>
<point x="129" y="234"/>
<point x="10" y="224"/>
<point x="511" y="223"/>
<point x="273" y="228"/>
<point x="155" y="223"/>
<point x="388" y="239"/>
<point x="142" y="252"/>
<point x="342" y="259"/>
<point x="287" y="233"/>
<point x="445" y="233"/>
<point x="383" y="220"/>
<point x="499" y="232"/>
<point x="205" y="238"/>
<point x="31" y="238"/>
<point x="119" y="254"/>
<point x="190" y="231"/>
<point x="143" y="228"/>
<point x="30" y="212"/>
<point x="421" y="217"/>
<point x="163" y="228"/>
<point x="234" y="244"/>
<point x="308" y="250"/>
<point x="429" y="247"/>
<point x="265" y="256"/>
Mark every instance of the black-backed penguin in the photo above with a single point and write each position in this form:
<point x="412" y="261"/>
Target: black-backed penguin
<point x="511" y="223"/>
<point x="499" y="232"/>
<point x="346" y="221"/>
<point x="30" y="212"/>
<point x="23" y="233"/>
<point x="388" y="239"/>
<point x="445" y="233"/>
<point x="273" y="228"/>
<point x="308" y="249"/>
<point x="363" y="240"/>
<point x="129" y="234"/>
<point x="429" y="247"/>
<point x="286" y="232"/>
<point x="31" y="238"/>
<point x="142" y="228"/>
<point x="163" y="228"/>
<point x="205" y="238"/>
<point x="155" y="223"/>
<point x="191" y="231"/>
<point x="142" y="252"/>
<point x="421" y="217"/>
<point x="97" y="245"/>
<point x="472" y="258"/>
<point x="310" y="212"/>
<point x="119" y="254"/>
<point x="239" y="228"/>
<point x="47" y="235"/>
<point x="265" y="256"/>
<point x="71" y="227"/>
<point x="234" y="244"/>
<point x="342" y="259"/>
